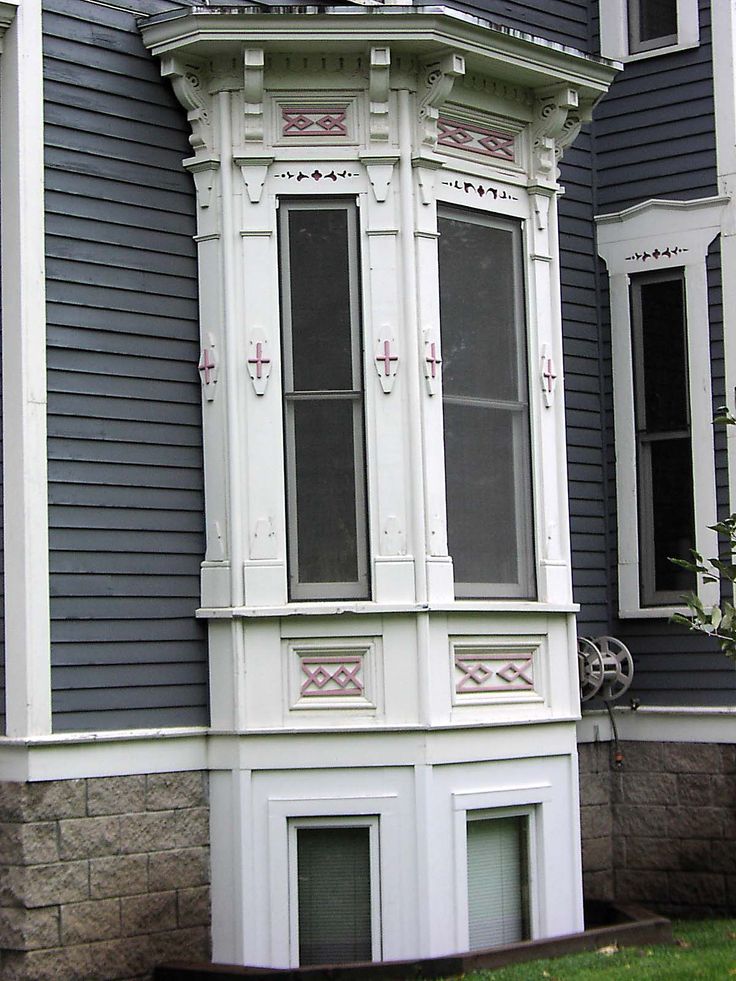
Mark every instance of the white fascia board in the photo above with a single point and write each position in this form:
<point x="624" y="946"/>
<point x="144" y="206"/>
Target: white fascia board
<point x="655" y="723"/>
<point x="507" y="55"/>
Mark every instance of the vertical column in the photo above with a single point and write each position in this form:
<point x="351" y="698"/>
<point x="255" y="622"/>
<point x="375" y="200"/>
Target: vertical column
<point x="27" y="615"/>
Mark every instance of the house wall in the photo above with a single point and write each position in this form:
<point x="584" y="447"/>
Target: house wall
<point x="124" y="426"/>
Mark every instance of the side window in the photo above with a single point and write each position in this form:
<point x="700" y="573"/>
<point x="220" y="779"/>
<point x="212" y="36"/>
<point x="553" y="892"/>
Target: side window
<point x="652" y="24"/>
<point x="486" y="406"/>
<point x="323" y="400"/>
<point x="663" y="445"/>
<point x="336" y="890"/>
<point x="498" y="881"/>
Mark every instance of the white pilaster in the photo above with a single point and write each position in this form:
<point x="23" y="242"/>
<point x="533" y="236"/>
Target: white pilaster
<point x="25" y="490"/>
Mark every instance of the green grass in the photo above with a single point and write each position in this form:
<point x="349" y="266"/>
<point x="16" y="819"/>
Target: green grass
<point x="703" y="949"/>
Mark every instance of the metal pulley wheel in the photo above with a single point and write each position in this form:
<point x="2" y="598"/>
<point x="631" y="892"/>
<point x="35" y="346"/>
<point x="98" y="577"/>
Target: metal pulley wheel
<point x="590" y="668"/>
<point x="618" y="667"/>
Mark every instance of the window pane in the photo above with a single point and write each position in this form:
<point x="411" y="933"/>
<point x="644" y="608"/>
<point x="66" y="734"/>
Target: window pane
<point x="673" y="518"/>
<point x="320" y="300"/>
<point x="326" y="490"/>
<point x="498" y="907"/>
<point x="657" y="19"/>
<point x="486" y="414"/>
<point x="334" y="890"/>
<point x="665" y="359"/>
<point x="481" y="499"/>
<point x="478" y="310"/>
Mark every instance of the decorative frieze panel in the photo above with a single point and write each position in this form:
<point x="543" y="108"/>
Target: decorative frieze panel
<point x="495" y="669"/>
<point x="302" y="118"/>
<point x="319" y="122"/>
<point x="332" y="674"/>
<point x="477" y="139"/>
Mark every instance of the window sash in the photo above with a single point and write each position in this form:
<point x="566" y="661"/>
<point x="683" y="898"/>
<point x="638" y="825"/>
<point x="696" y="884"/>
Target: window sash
<point x="341" y="571"/>
<point x="512" y="531"/>
<point x="638" y="41"/>
<point x="654" y="506"/>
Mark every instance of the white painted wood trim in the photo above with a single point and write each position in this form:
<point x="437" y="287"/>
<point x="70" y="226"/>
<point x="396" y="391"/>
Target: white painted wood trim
<point x="614" y="30"/>
<point x="668" y="724"/>
<point x="25" y="492"/>
<point x="723" y="15"/>
<point x="625" y="241"/>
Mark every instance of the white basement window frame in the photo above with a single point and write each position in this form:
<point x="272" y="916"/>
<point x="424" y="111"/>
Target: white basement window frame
<point x="370" y="823"/>
<point x="671" y="240"/>
<point x="621" y="36"/>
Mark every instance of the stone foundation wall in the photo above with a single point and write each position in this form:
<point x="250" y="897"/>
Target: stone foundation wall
<point x="661" y="830"/>
<point x="100" y="879"/>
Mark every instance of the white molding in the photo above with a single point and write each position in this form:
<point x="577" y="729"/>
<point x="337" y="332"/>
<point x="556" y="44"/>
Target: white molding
<point x="723" y="14"/>
<point x="25" y="494"/>
<point x="113" y="754"/>
<point x="626" y="241"/>
<point x="662" y="724"/>
<point x="614" y="30"/>
<point x="8" y="10"/>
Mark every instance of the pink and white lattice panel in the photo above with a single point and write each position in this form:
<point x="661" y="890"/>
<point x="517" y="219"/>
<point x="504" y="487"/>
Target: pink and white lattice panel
<point x="474" y="138"/>
<point x="300" y="119"/>
<point x="489" y="672"/>
<point x="332" y="677"/>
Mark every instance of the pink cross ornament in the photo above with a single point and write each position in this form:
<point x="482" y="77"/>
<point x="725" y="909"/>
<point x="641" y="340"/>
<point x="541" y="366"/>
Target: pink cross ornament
<point x="386" y="361"/>
<point x="258" y="362"/>
<point x="208" y="367"/>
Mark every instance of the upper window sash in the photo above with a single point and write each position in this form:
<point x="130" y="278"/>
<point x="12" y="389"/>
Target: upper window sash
<point x="627" y="29"/>
<point x="652" y="24"/>
<point x="327" y="528"/>
<point x="486" y="405"/>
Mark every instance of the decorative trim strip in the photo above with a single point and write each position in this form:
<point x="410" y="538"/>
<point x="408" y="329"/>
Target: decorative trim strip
<point x="320" y="121"/>
<point x="316" y="175"/>
<point x="671" y="252"/>
<point x="332" y="675"/>
<point x="498" y="194"/>
<point x="482" y="672"/>
<point x="476" y="139"/>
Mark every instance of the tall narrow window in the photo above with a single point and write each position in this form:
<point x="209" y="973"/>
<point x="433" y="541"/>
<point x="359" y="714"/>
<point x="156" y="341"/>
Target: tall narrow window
<point x="498" y="893"/>
<point x="334" y="894"/>
<point x="486" y="406"/>
<point x="663" y="448"/>
<point x="652" y="24"/>
<point x="323" y="396"/>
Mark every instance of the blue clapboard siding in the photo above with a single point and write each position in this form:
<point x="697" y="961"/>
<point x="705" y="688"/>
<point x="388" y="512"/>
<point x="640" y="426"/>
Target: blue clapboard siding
<point x="654" y="138"/>
<point x="562" y="21"/>
<point x="655" y="129"/>
<point x="125" y="442"/>
<point x="582" y="367"/>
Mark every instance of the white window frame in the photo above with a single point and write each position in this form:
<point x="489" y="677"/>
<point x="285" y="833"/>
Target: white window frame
<point x="680" y="233"/>
<point x="371" y="822"/>
<point x="614" y="31"/>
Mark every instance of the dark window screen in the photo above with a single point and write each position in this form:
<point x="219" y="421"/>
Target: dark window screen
<point x="652" y="24"/>
<point x="664" y="456"/>
<point x="486" y="412"/>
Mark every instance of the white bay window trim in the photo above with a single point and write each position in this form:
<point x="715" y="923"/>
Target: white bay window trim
<point x="615" y="31"/>
<point x="674" y="236"/>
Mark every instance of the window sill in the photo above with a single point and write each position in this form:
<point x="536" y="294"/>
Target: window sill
<point x="361" y="608"/>
<point x="651" y="612"/>
<point x="656" y="52"/>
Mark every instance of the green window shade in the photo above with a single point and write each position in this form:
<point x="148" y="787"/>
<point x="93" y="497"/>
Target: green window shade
<point x="334" y="895"/>
<point x="497" y="893"/>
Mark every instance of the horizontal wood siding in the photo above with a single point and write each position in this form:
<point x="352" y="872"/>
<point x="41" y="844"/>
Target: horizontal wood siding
<point x="125" y="443"/>
<point x="655" y="129"/>
<point x="562" y="21"/>
<point x="581" y="345"/>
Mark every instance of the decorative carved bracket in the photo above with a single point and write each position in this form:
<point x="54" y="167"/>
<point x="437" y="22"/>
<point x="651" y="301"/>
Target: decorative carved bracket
<point x="557" y="121"/>
<point x="253" y="63"/>
<point x="439" y="78"/>
<point x="187" y="80"/>
<point x="254" y="170"/>
<point x="379" y="92"/>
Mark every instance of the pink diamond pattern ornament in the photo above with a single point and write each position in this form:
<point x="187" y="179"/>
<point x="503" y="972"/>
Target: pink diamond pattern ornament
<point x="484" y="672"/>
<point x="332" y="675"/>
<point x="207" y="368"/>
<point x="317" y="122"/>
<point x="386" y="361"/>
<point x="476" y="139"/>
<point x="259" y="362"/>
